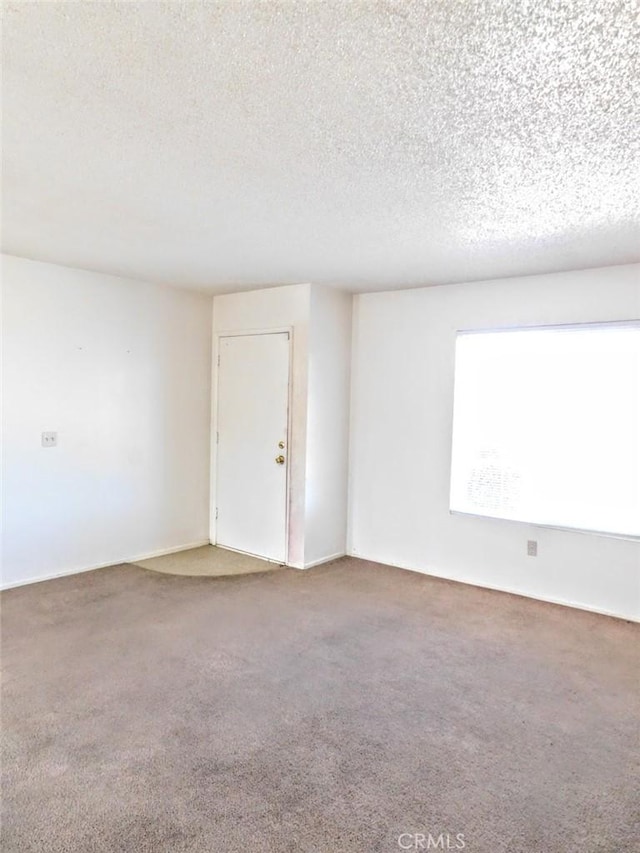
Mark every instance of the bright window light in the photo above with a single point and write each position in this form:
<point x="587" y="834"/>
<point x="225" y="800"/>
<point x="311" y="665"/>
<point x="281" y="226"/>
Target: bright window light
<point x="546" y="426"/>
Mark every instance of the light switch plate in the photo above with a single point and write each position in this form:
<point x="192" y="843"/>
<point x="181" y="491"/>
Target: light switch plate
<point x="532" y="548"/>
<point x="49" y="439"/>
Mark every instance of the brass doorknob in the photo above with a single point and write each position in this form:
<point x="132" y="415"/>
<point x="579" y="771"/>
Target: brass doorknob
<point x="280" y="460"/>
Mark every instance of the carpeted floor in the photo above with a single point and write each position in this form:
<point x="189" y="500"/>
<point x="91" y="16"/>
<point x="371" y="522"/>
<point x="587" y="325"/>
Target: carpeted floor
<point x="207" y="561"/>
<point x="345" y="708"/>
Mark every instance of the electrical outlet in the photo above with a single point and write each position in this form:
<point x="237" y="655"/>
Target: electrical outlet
<point x="532" y="548"/>
<point x="49" y="439"/>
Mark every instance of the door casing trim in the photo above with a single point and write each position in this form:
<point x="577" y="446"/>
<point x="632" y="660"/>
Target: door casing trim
<point x="213" y="467"/>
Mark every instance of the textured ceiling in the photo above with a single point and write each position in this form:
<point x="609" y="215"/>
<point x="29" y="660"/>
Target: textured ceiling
<point x="366" y="144"/>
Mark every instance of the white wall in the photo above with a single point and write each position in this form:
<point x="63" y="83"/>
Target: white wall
<point x="402" y="399"/>
<point x="121" y="370"/>
<point x="320" y="318"/>
<point x="328" y="424"/>
<point x="260" y="310"/>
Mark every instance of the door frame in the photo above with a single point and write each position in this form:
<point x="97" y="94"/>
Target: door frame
<point x="213" y="470"/>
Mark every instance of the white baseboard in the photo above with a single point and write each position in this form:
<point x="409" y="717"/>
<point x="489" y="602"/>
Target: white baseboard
<point x="165" y="551"/>
<point x="327" y="559"/>
<point x="435" y="573"/>
<point x="137" y="559"/>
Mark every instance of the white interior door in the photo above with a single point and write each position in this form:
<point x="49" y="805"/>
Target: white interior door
<point x="252" y="449"/>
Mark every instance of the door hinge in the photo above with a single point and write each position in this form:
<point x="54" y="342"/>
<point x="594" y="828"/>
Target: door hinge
<point x="216" y="512"/>
<point x="218" y="359"/>
<point x="217" y="437"/>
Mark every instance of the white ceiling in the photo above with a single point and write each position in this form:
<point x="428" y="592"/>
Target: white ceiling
<point x="368" y="144"/>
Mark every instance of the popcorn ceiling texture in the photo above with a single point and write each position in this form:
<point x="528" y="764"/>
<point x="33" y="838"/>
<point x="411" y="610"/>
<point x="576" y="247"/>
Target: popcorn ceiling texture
<point x="367" y="144"/>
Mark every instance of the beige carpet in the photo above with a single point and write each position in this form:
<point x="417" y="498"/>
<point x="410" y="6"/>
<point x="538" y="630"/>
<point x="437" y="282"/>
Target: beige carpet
<point x="207" y="561"/>
<point x="343" y="709"/>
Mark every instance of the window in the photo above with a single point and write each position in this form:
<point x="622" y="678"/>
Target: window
<point x="546" y="426"/>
